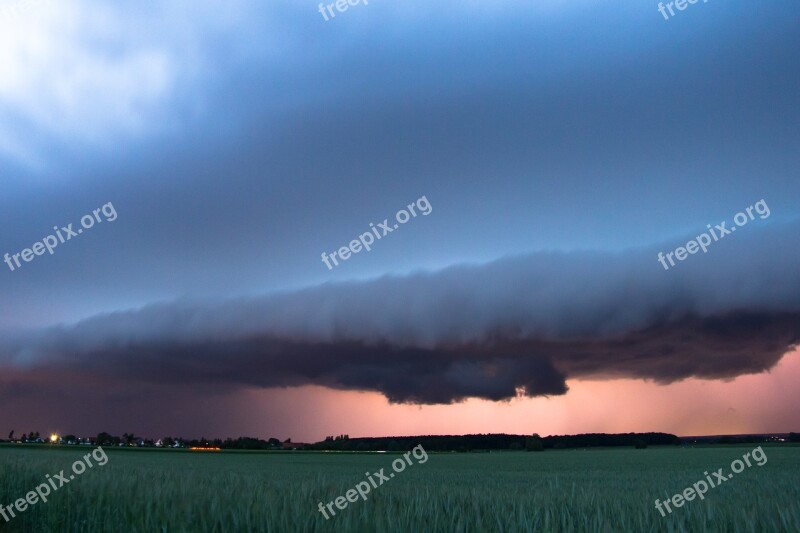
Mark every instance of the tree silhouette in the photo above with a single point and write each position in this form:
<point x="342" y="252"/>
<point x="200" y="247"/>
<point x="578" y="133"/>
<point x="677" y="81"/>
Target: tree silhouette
<point x="104" y="439"/>
<point x="534" y="443"/>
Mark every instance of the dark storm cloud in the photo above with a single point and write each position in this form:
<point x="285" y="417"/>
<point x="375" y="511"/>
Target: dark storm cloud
<point x="518" y="324"/>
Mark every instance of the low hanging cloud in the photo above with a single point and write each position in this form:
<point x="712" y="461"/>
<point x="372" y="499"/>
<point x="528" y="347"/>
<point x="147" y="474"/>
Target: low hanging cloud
<point x="520" y="325"/>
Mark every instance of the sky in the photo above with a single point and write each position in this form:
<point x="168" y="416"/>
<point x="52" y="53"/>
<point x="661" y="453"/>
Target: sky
<point x="220" y="155"/>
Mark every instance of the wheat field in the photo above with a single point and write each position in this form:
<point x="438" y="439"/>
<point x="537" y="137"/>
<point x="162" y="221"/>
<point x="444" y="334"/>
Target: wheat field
<point x="569" y="490"/>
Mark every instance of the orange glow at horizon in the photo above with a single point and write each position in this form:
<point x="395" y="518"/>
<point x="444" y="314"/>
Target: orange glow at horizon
<point x="760" y="403"/>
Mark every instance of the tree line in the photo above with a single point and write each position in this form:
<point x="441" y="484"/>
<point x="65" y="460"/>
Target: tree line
<point x="488" y="442"/>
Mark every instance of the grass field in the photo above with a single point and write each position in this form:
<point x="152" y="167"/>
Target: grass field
<point x="571" y="490"/>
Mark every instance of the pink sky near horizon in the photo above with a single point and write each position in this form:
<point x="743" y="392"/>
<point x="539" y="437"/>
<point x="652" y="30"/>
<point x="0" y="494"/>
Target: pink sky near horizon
<point x="758" y="403"/>
<point x="47" y="402"/>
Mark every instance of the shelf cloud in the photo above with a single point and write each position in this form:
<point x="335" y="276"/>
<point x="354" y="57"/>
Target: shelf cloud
<point x="519" y="325"/>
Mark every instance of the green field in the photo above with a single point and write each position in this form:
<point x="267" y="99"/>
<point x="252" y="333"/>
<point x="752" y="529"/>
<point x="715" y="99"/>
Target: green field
<point x="570" y="490"/>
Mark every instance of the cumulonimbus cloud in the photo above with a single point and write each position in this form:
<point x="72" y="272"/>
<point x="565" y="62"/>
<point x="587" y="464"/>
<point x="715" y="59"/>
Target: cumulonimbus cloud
<point x="520" y="325"/>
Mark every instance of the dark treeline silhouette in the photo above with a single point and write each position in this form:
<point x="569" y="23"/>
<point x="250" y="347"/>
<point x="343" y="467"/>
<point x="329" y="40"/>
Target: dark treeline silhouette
<point x="433" y="443"/>
<point x="466" y="443"/>
<point x="131" y="440"/>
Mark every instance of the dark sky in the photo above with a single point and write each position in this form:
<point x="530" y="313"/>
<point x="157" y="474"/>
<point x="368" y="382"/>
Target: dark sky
<point x="560" y="146"/>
